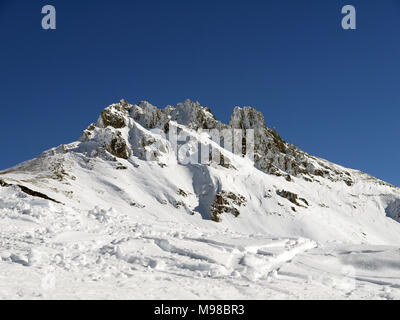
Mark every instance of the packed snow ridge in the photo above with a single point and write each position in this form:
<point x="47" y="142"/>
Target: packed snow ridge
<point x="148" y="204"/>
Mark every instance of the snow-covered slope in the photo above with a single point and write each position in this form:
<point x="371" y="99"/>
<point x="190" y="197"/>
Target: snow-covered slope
<point x="121" y="198"/>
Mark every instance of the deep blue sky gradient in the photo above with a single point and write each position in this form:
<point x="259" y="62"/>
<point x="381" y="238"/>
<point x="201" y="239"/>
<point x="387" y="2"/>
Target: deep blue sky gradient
<point x="333" y="93"/>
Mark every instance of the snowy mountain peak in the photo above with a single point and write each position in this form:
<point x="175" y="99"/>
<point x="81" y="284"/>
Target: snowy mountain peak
<point x="123" y="130"/>
<point x="168" y="164"/>
<point x="117" y="130"/>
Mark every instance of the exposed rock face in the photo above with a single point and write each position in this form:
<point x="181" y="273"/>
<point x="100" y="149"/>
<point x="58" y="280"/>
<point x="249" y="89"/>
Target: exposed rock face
<point x="114" y="120"/>
<point x="226" y="202"/>
<point x="4" y="184"/>
<point x="247" y="118"/>
<point x="115" y="117"/>
<point x="182" y="193"/>
<point x="275" y="156"/>
<point x="149" y="116"/>
<point x="118" y="148"/>
<point x="292" y="197"/>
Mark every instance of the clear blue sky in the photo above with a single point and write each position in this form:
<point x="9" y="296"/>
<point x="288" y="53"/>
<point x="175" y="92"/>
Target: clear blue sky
<point x="333" y="93"/>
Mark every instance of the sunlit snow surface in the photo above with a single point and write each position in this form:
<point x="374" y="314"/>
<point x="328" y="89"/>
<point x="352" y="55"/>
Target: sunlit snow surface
<point x="52" y="252"/>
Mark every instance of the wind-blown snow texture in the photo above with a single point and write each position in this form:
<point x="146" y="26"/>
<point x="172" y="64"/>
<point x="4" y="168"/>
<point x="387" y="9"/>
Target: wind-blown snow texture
<point x="116" y="215"/>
